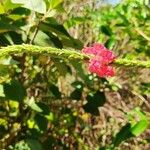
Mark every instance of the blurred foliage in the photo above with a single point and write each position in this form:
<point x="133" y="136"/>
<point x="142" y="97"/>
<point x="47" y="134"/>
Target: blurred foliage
<point x="48" y="103"/>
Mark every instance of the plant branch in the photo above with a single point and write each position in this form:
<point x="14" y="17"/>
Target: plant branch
<point x="65" y="53"/>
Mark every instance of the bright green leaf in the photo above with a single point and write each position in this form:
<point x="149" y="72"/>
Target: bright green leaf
<point x="35" y="5"/>
<point x="55" y="3"/>
<point x="2" y="11"/>
<point x="8" y="5"/>
<point x="32" y="104"/>
<point x="8" y="61"/>
<point x="1" y="91"/>
<point x="140" y="127"/>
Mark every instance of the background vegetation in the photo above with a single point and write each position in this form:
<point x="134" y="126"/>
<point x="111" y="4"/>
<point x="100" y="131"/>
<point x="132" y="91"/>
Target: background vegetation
<point x="49" y="103"/>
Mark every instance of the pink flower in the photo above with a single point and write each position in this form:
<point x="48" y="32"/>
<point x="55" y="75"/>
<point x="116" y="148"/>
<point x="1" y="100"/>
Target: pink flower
<point x="100" y="62"/>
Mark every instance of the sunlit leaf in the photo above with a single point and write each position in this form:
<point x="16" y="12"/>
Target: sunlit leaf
<point x="35" y="5"/>
<point x="139" y="127"/>
<point x="2" y="10"/>
<point x="54" y="3"/>
<point x="33" y="105"/>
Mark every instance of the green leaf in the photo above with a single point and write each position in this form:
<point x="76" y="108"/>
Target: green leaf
<point x="76" y="94"/>
<point x="138" y="114"/>
<point x="73" y="22"/>
<point x="35" y="5"/>
<point x="42" y="39"/>
<point x="51" y="27"/>
<point x="78" y="85"/>
<point x="8" y="61"/>
<point x="110" y="43"/>
<point x="54" y="91"/>
<point x="55" y="3"/>
<point x="61" y="67"/>
<point x="106" y="30"/>
<point x="8" y="5"/>
<point x="124" y="19"/>
<point x="70" y="42"/>
<point x="123" y="135"/>
<point x="2" y="91"/>
<point x="2" y="10"/>
<point x="21" y="145"/>
<point x="94" y="102"/>
<point x="23" y="12"/>
<point x="44" y="107"/>
<point x="54" y="27"/>
<point x="15" y="37"/>
<point x="41" y="122"/>
<point x="4" y="70"/>
<point x="6" y="26"/>
<point x="33" y="105"/>
<point x="14" y="91"/>
<point x="3" y="40"/>
<point x="140" y="127"/>
<point x="56" y="41"/>
<point x="34" y="144"/>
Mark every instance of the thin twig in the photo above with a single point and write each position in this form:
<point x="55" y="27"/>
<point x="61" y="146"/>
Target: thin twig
<point x="142" y="98"/>
<point x="37" y="26"/>
<point x="142" y="34"/>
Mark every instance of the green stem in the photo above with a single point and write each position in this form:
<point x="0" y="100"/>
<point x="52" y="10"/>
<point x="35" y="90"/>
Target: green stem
<point x="32" y="49"/>
<point x="132" y="63"/>
<point x="64" y="53"/>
